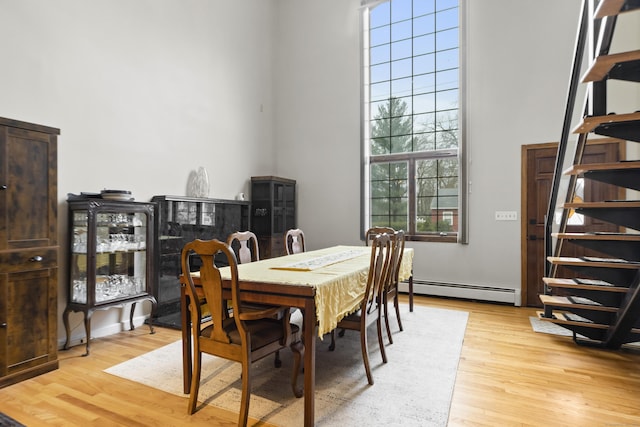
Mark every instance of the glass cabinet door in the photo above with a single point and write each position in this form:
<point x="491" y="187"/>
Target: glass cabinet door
<point x="110" y="249"/>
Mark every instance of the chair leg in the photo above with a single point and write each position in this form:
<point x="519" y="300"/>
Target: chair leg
<point x="332" y="346"/>
<point x="298" y="353"/>
<point x="396" y="303"/>
<point x="380" y="341"/>
<point x="246" y="391"/>
<point x="385" y="304"/>
<point x="195" y="381"/>
<point x="277" y="362"/>
<point x="365" y="354"/>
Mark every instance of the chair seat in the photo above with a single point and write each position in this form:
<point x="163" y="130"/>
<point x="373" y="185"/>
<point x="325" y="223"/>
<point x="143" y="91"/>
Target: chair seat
<point x="262" y="332"/>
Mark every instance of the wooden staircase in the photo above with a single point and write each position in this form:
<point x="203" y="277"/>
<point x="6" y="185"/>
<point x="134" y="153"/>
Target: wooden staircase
<point x="600" y="300"/>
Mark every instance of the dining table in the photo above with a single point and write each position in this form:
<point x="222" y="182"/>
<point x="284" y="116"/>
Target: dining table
<point x="325" y="284"/>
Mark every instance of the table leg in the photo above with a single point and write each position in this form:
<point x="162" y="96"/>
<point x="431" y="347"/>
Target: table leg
<point x="310" y="321"/>
<point x="186" y="340"/>
<point x="411" y="292"/>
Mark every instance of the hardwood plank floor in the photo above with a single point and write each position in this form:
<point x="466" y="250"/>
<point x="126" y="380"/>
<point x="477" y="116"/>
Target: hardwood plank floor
<point x="508" y="375"/>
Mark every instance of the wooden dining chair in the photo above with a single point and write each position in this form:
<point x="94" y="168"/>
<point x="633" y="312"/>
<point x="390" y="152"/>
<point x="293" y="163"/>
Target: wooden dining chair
<point x="390" y="289"/>
<point x="245" y="246"/>
<point x="294" y="241"/>
<point x="370" y="309"/>
<point x="374" y="231"/>
<point x="246" y="336"/>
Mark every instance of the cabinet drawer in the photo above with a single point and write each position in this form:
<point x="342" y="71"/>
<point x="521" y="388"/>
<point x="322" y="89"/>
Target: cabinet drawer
<point x="31" y="259"/>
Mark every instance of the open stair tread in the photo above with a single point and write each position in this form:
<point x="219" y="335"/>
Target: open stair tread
<point x="589" y="123"/>
<point x="621" y="204"/>
<point x="595" y="262"/>
<point x="603" y="65"/>
<point x="564" y="318"/>
<point x="579" y="283"/>
<point x="588" y="167"/>
<point x="609" y="236"/>
<point x="575" y="302"/>
<point x="615" y="7"/>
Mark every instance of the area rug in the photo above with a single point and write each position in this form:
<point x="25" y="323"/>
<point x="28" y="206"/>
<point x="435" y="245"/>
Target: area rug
<point x="417" y="382"/>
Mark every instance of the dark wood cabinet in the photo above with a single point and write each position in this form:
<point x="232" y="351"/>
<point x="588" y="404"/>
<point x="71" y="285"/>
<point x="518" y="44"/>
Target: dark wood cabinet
<point x="273" y="212"/>
<point x="179" y="221"/>
<point x="28" y="250"/>
<point x="112" y="246"/>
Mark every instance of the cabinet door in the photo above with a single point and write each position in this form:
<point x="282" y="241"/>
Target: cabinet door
<point x="28" y="338"/>
<point x="28" y="194"/>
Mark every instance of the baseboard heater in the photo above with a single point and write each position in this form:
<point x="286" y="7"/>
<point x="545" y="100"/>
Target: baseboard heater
<point x="457" y="290"/>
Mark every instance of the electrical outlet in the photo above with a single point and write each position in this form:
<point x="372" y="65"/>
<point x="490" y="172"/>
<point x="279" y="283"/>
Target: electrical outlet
<point x="506" y="216"/>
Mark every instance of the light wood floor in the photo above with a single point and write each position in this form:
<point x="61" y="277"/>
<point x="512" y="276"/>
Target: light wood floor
<point x="508" y="376"/>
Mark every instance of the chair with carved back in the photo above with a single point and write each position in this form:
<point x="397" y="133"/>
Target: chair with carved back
<point x="245" y="336"/>
<point x="390" y="290"/>
<point x="369" y="235"/>
<point x="294" y="241"/>
<point x="369" y="307"/>
<point x="374" y="231"/>
<point x="245" y="246"/>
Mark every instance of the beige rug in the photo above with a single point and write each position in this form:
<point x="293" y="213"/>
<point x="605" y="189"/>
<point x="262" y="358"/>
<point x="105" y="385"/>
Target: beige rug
<point x="413" y="389"/>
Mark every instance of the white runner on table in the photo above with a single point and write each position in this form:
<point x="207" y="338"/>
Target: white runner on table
<point x="323" y="261"/>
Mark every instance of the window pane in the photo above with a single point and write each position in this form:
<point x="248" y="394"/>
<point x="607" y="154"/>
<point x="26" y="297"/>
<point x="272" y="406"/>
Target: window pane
<point x="420" y="7"/>
<point x="424" y="83"/>
<point x="401" y="87"/>
<point x="447" y="59"/>
<point x="401" y="30"/>
<point x="447" y="39"/>
<point x="380" y="15"/>
<point x="401" y="68"/>
<point x="447" y="18"/>
<point x="401" y="49"/>
<point x="424" y="44"/>
<point x="424" y="64"/>
<point x="380" y="73"/>
<point x="380" y="35"/>
<point x="447" y="79"/>
<point x="380" y="91"/>
<point x="389" y="194"/>
<point x="424" y="25"/>
<point x="424" y="103"/>
<point x="447" y="99"/>
<point x="380" y="54"/>
<point x="400" y="10"/>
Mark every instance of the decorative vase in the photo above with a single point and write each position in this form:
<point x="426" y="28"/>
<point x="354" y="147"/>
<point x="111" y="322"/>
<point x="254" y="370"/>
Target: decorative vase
<point x="199" y="183"/>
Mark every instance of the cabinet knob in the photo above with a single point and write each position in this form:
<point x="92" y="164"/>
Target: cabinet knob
<point x="3" y="187"/>
<point x="3" y="325"/>
<point x="36" y="258"/>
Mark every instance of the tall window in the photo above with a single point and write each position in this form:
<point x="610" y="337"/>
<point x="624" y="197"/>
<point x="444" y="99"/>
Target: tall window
<point x="411" y="117"/>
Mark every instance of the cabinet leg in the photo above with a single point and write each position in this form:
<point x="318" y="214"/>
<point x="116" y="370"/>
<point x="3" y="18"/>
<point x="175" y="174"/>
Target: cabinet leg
<point x="133" y="308"/>
<point x="87" y="329"/>
<point x="154" y="305"/>
<point x="67" y="328"/>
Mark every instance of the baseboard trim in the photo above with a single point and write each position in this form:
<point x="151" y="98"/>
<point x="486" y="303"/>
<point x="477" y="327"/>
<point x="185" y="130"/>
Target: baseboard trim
<point x="457" y="290"/>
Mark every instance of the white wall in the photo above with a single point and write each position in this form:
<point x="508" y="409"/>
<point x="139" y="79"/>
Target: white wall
<point x="144" y="92"/>
<point x="518" y="63"/>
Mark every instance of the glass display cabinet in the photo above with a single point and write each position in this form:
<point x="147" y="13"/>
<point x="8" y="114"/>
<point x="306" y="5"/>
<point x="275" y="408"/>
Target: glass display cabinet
<point x="112" y="249"/>
<point x="273" y="202"/>
<point x="180" y="220"/>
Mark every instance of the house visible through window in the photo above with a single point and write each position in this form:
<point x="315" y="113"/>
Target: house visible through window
<point x="411" y="117"/>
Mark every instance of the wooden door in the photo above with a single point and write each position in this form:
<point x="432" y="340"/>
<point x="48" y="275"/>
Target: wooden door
<point x="538" y="164"/>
